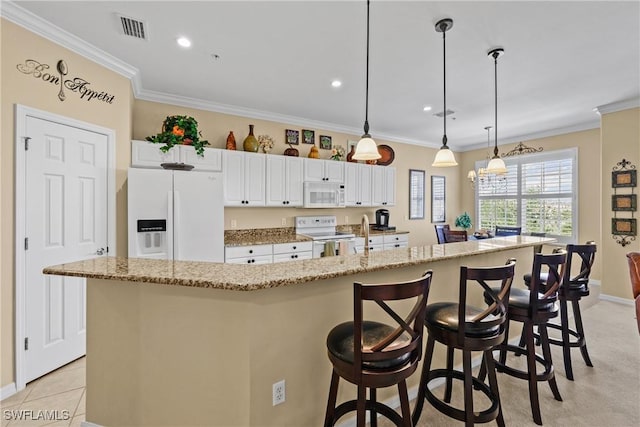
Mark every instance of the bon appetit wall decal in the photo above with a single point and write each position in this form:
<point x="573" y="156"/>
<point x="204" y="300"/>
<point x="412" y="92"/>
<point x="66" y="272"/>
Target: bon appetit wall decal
<point x="59" y="78"/>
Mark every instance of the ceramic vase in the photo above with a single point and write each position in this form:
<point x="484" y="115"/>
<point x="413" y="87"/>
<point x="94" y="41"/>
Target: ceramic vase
<point x="250" y="142"/>
<point x="351" y="153"/>
<point x="231" y="141"/>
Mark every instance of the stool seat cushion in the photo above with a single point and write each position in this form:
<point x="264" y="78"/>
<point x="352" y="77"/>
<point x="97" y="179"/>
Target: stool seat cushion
<point x="519" y="298"/>
<point x="444" y="315"/>
<point x="543" y="278"/>
<point x="575" y="287"/>
<point x="340" y="343"/>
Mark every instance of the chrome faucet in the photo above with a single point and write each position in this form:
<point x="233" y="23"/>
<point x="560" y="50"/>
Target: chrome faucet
<point x="364" y="229"/>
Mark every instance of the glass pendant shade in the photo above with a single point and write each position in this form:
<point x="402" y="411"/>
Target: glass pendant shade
<point x="444" y="158"/>
<point x="471" y="176"/>
<point x="366" y="149"/>
<point x="496" y="166"/>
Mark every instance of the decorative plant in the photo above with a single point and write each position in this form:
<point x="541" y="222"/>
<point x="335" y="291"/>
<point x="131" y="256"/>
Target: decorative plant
<point x="266" y="143"/>
<point x="179" y="130"/>
<point x="463" y="221"/>
<point x="337" y="153"/>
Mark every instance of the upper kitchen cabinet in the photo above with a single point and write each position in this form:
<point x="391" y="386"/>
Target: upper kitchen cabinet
<point x="244" y="183"/>
<point x="357" y="183"/>
<point x="383" y="186"/>
<point x="317" y="170"/>
<point x="146" y="154"/>
<point x="284" y="181"/>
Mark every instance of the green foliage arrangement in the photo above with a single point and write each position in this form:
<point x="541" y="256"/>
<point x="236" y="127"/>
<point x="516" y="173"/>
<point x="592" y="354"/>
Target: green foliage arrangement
<point x="463" y="221"/>
<point x="179" y="130"/>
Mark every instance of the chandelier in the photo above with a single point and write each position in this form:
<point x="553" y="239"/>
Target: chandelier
<point x="487" y="181"/>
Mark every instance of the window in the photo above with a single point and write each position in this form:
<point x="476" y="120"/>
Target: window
<point x="538" y="193"/>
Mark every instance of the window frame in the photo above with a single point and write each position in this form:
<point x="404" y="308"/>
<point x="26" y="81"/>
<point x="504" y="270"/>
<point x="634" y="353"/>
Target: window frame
<point x="555" y="155"/>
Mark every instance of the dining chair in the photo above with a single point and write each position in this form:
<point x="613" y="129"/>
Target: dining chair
<point x="451" y="236"/>
<point x="504" y="230"/>
<point x="440" y="230"/>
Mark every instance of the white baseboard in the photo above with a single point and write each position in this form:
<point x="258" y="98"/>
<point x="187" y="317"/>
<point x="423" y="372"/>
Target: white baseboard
<point x="89" y="424"/>
<point x="394" y="402"/>
<point x="625" y="301"/>
<point x="8" y="391"/>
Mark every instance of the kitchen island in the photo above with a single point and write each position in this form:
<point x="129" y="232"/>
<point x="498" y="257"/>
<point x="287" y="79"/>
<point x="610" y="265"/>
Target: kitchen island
<point x="189" y="343"/>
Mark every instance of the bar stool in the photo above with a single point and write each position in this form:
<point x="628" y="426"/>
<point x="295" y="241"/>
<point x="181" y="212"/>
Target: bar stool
<point x="572" y="290"/>
<point x="461" y="326"/>
<point x="534" y="307"/>
<point x="383" y="355"/>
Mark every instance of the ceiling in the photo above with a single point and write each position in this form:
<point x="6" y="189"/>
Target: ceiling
<point x="277" y="60"/>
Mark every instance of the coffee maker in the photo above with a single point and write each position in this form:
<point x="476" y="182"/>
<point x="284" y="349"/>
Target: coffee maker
<point x="382" y="220"/>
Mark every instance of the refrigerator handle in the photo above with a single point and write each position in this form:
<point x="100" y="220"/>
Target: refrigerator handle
<point x="176" y="225"/>
<point x="170" y="226"/>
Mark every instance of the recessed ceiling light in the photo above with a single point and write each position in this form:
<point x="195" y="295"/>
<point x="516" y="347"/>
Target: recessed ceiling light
<point x="336" y="83"/>
<point x="427" y="108"/>
<point x="184" y="42"/>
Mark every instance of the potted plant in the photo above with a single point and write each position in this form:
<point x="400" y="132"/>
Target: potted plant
<point x="463" y="221"/>
<point x="179" y="130"/>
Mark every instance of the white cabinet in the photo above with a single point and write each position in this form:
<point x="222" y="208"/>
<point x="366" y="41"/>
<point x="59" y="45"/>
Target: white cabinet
<point x="317" y="170"/>
<point x="357" y="183"/>
<point x="244" y="178"/>
<point x="254" y="254"/>
<point x="393" y="241"/>
<point x="292" y="251"/>
<point x="383" y="186"/>
<point x="284" y="181"/>
<point x="145" y="154"/>
<point x="382" y="242"/>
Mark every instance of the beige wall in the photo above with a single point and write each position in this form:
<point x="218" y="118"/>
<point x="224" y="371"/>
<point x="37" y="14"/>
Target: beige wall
<point x="620" y="134"/>
<point x="17" y="88"/>
<point x="589" y="173"/>
<point x="148" y="117"/>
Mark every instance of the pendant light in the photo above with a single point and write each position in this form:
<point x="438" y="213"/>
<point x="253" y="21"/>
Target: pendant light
<point x="444" y="157"/>
<point x="496" y="164"/>
<point x="366" y="149"/>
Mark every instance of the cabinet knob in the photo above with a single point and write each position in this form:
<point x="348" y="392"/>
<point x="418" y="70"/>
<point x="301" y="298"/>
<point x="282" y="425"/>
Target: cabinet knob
<point x="250" y="251"/>
<point x="284" y="203"/>
<point x="248" y="261"/>
<point x="294" y="248"/>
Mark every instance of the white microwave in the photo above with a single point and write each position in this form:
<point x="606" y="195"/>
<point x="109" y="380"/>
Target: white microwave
<point x="324" y="195"/>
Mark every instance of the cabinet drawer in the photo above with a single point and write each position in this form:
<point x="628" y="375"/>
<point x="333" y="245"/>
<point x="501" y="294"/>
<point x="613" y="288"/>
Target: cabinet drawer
<point x="376" y="240"/>
<point x="251" y="260"/>
<point x="396" y="245"/>
<point x="246" y="251"/>
<point x="396" y="238"/>
<point x="292" y="256"/>
<point x="287" y="248"/>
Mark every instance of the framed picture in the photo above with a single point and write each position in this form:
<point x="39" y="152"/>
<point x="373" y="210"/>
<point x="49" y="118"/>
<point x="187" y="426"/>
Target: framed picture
<point x="292" y="136"/>
<point x="624" y="202"/>
<point x="626" y="178"/>
<point x="623" y="226"/>
<point x="325" y="142"/>
<point x="308" y="136"/>
<point x="416" y="194"/>
<point x="438" y="197"/>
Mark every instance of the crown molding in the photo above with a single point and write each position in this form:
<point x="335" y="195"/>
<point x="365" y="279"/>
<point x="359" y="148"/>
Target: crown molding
<point x="201" y="104"/>
<point x="618" y="106"/>
<point x="22" y="17"/>
<point x="591" y="124"/>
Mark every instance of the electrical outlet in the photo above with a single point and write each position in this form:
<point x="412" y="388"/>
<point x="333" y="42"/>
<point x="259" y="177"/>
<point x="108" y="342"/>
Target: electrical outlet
<point x="284" y="222"/>
<point x="346" y="219"/>
<point x="234" y="223"/>
<point x="278" y="393"/>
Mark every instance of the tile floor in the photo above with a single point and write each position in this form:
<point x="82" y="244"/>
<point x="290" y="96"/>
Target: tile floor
<point x="62" y="390"/>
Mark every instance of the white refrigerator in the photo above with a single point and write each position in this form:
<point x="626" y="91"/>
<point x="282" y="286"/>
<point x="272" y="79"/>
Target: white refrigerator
<point x="176" y="215"/>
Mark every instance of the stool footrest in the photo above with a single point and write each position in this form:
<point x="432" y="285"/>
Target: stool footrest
<point x="377" y="407"/>
<point x="518" y="373"/>
<point x="579" y="339"/>
<point x="485" y="416"/>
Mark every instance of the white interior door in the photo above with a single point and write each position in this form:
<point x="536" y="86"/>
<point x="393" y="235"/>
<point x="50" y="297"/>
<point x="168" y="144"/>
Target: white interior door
<point x="65" y="221"/>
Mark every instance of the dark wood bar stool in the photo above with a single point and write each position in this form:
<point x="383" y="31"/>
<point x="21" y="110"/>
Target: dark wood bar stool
<point x="534" y="307"/>
<point x="572" y="290"/>
<point x="383" y="355"/>
<point x="461" y="326"/>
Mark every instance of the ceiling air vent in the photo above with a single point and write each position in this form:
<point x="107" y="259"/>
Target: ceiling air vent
<point x="133" y="27"/>
<point x="441" y="113"/>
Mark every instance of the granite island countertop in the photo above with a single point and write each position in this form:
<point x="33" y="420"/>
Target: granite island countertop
<point x="242" y="277"/>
